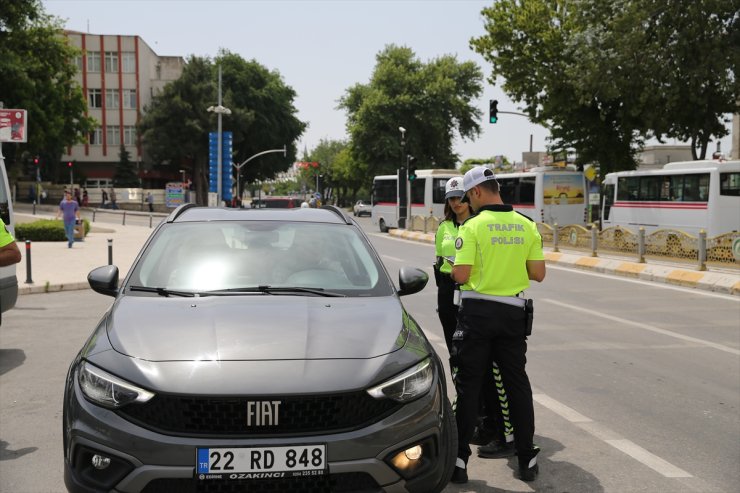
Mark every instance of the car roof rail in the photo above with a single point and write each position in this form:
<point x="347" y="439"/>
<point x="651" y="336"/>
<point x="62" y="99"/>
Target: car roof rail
<point x="178" y="212"/>
<point x="339" y="212"/>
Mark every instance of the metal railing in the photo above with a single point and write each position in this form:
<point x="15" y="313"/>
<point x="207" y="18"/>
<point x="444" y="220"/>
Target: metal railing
<point x="664" y="244"/>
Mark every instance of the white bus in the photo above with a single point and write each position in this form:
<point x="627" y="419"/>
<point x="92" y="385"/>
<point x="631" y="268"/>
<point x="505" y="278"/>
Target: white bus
<point x="427" y="196"/>
<point x="8" y="279"/>
<point x="547" y="194"/>
<point x="686" y="196"/>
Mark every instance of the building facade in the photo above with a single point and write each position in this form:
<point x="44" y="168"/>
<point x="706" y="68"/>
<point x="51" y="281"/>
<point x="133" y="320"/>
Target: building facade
<point x="119" y="76"/>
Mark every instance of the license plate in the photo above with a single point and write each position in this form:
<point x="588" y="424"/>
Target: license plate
<point x="261" y="462"/>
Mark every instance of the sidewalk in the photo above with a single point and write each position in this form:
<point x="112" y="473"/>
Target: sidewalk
<point x="54" y="267"/>
<point x="676" y="274"/>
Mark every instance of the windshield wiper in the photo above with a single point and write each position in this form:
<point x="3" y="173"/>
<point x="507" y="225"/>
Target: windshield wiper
<point x="279" y="289"/>
<point x="164" y="291"/>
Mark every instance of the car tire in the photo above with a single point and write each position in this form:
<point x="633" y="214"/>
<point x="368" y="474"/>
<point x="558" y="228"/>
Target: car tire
<point x="448" y="455"/>
<point x="382" y="226"/>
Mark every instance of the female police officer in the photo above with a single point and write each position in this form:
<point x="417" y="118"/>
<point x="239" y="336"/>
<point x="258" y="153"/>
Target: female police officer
<point x="497" y="252"/>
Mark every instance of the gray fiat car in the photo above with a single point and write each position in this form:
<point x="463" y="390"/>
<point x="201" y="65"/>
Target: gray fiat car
<point x="257" y="350"/>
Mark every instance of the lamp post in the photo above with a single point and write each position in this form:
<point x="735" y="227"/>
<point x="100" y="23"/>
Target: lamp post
<point x="238" y="167"/>
<point x="219" y="110"/>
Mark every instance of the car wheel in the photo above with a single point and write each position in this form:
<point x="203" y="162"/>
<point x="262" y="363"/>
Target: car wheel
<point x="448" y="448"/>
<point x="383" y="227"/>
<point x="355" y="213"/>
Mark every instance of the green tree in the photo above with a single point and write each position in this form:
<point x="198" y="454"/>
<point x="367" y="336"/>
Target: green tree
<point x="432" y="101"/>
<point x="125" y="175"/>
<point x="605" y="75"/>
<point x="38" y="75"/>
<point x="176" y="124"/>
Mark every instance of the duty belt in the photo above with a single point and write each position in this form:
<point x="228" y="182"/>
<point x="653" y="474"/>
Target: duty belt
<point x="509" y="300"/>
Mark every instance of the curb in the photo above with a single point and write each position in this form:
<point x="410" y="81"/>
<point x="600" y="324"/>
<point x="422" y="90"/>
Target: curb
<point x="52" y="288"/>
<point x="718" y="282"/>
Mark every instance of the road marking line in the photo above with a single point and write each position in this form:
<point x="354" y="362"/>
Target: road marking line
<point x="651" y="460"/>
<point x="606" y="435"/>
<point x="561" y="409"/>
<point x="395" y="259"/>
<point x="639" y="325"/>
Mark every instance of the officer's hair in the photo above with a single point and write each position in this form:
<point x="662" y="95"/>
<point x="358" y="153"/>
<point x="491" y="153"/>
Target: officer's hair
<point x="450" y="214"/>
<point x="490" y="185"/>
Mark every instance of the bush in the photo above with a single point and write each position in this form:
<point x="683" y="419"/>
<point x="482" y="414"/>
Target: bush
<point x="44" y="230"/>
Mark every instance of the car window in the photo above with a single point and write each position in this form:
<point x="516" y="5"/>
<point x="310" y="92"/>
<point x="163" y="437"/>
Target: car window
<point x="231" y="255"/>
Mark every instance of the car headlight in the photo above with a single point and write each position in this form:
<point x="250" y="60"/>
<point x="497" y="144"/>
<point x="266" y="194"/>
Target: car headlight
<point x="408" y="385"/>
<point x="107" y="390"/>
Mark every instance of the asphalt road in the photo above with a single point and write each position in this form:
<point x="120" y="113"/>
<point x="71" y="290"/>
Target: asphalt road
<point x="637" y="385"/>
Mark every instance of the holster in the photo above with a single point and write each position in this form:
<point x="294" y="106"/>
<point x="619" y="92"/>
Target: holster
<point x="529" y="310"/>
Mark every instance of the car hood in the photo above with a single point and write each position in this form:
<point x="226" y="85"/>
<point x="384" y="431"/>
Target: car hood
<point x="254" y="327"/>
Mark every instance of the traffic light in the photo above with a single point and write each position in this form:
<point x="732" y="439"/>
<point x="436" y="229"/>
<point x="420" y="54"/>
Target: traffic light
<point x="493" y="111"/>
<point x="69" y="164"/>
<point x="412" y="167"/>
<point x="36" y="161"/>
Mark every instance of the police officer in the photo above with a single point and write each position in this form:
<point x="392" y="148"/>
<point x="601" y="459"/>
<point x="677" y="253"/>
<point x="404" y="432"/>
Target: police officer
<point x="498" y="251"/>
<point x="456" y="212"/>
<point x="493" y="431"/>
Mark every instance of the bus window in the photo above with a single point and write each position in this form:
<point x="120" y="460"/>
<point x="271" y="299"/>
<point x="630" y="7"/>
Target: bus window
<point x="507" y="189"/>
<point x="417" y="190"/>
<point x="438" y="190"/>
<point x="696" y="187"/>
<point x="384" y="191"/>
<point x="650" y="188"/>
<point x="627" y="188"/>
<point x="526" y="190"/>
<point x="729" y="184"/>
<point x="675" y="191"/>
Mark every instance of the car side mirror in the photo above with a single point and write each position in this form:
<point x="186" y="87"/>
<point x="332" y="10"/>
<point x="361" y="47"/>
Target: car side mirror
<point x="104" y="280"/>
<point x="411" y="280"/>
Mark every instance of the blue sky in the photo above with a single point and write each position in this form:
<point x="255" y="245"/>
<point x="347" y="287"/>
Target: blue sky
<point x="320" y="47"/>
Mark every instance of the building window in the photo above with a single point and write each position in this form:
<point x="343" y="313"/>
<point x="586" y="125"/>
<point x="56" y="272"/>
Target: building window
<point x="93" y="61"/>
<point x="129" y="135"/>
<point x="129" y="99"/>
<point x="128" y="62"/>
<point x="111" y="61"/>
<point x="111" y="98"/>
<point x="94" y="98"/>
<point x="78" y="62"/>
<point x="96" y="137"/>
<point x="113" y="135"/>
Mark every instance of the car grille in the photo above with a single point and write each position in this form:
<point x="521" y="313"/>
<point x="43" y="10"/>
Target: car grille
<point x="299" y="415"/>
<point x="347" y="482"/>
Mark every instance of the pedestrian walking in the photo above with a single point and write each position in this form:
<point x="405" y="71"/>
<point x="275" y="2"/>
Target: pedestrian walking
<point x="497" y="252"/>
<point x="78" y="199"/>
<point x="113" y="204"/>
<point x="85" y="197"/>
<point x="103" y="199"/>
<point x="493" y="431"/>
<point x="70" y="211"/>
<point x="150" y="201"/>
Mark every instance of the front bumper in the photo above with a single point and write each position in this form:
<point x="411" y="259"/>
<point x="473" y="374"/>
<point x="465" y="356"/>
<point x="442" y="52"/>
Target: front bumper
<point x="148" y="461"/>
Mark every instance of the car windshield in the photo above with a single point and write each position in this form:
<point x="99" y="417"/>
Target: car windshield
<point x="238" y="255"/>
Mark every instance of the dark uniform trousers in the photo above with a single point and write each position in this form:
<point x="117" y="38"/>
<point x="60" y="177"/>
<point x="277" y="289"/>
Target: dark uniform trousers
<point x="447" y="310"/>
<point x="489" y="331"/>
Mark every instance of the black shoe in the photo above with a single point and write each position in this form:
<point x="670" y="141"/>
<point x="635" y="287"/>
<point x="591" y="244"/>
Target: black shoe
<point x="482" y="436"/>
<point x="496" y="449"/>
<point x="459" y="475"/>
<point x="528" y="467"/>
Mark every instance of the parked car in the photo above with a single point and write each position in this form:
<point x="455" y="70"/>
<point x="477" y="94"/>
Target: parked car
<point x="363" y="207"/>
<point x="257" y="350"/>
